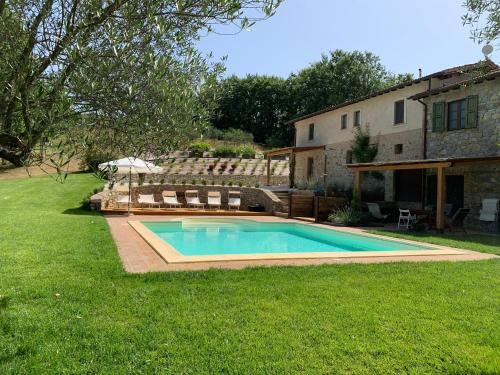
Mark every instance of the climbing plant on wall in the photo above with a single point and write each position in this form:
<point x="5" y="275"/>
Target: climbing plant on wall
<point x="362" y="150"/>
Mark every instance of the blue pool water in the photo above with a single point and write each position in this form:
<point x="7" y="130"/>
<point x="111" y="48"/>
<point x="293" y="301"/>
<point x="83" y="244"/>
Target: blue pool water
<point x="238" y="236"/>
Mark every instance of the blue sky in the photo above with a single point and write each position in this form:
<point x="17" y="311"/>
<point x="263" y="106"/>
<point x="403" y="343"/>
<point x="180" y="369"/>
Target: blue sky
<point x="405" y="34"/>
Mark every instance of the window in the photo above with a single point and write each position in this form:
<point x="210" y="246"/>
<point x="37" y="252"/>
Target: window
<point x="399" y="112"/>
<point x="310" y="166"/>
<point x="343" y="122"/>
<point x="357" y="118"/>
<point x="398" y="149"/>
<point x="348" y="157"/>
<point x="457" y="114"/>
<point x="311" y="132"/>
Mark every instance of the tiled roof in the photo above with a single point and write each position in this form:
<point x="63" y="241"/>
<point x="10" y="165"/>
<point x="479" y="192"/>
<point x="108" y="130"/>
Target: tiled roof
<point x="488" y="64"/>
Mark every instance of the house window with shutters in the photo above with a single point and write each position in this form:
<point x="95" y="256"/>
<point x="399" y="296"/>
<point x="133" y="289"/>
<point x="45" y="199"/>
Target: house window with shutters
<point x="357" y="118"/>
<point x="310" y="166"/>
<point x="457" y="114"/>
<point x="399" y="112"/>
<point x="343" y="121"/>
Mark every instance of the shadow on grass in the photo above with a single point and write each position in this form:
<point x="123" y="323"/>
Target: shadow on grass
<point x="80" y="211"/>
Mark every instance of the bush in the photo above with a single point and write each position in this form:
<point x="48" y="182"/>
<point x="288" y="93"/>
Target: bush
<point x="198" y="148"/>
<point x="203" y="182"/>
<point x="237" y="135"/>
<point x="240" y="184"/>
<point x="345" y="216"/>
<point x="162" y="181"/>
<point x="93" y="156"/>
<point x="193" y="182"/>
<point x="230" y="183"/>
<point x="226" y="151"/>
<point x="257" y="186"/>
<point x="247" y="151"/>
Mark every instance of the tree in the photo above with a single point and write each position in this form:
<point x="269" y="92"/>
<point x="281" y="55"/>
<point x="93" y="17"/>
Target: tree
<point x="119" y="71"/>
<point x="338" y="77"/>
<point x="255" y="104"/>
<point x="484" y="18"/>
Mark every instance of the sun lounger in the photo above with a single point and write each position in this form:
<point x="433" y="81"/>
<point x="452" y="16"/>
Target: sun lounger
<point x="148" y="199"/>
<point x="457" y="221"/>
<point x="234" y="200"/>
<point x="193" y="200"/>
<point x="374" y="210"/>
<point x="170" y="199"/>
<point x="214" y="199"/>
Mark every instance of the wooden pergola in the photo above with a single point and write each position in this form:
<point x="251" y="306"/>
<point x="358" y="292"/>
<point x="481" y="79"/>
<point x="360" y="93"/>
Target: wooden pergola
<point x="439" y="164"/>
<point x="291" y="151"/>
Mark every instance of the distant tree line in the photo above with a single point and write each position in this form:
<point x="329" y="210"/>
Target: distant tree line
<point x="262" y="105"/>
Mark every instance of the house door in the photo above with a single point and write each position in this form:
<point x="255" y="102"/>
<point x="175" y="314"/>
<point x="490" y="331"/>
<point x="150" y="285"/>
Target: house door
<point x="454" y="191"/>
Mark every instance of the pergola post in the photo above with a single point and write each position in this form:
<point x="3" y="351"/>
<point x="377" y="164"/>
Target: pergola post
<point x="268" y="170"/>
<point x="357" y="182"/>
<point x="291" y="166"/>
<point x="441" y="194"/>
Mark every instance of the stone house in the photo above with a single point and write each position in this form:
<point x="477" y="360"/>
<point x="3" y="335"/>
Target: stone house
<point x="453" y="113"/>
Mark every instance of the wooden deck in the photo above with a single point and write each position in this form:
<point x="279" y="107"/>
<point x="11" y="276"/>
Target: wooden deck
<point x="183" y="212"/>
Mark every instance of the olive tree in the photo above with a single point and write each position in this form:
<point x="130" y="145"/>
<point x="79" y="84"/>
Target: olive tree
<point x="125" y="73"/>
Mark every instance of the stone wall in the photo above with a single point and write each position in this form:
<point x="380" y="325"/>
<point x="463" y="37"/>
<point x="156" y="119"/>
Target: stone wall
<point x="249" y="196"/>
<point x="480" y="141"/>
<point x="342" y="178"/>
<point x="249" y="181"/>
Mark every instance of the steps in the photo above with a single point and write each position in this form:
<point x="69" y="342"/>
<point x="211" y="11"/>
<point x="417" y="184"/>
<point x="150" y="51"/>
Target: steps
<point x="284" y="198"/>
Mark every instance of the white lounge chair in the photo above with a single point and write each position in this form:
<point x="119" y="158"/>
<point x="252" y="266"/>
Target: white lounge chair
<point x="214" y="199"/>
<point x="148" y="199"/>
<point x="170" y="199"/>
<point x="406" y="219"/>
<point x="374" y="210"/>
<point x="122" y="199"/>
<point x="489" y="210"/>
<point x="193" y="200"/>
<point x="234" y="200"/>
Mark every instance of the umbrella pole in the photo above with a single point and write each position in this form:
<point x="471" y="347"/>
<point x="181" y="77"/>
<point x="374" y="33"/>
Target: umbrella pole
<point x="129" y="189"/>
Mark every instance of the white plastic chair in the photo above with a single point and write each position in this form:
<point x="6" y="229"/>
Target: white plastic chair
<point x="170" y="199"/>
<point x="406" y="219"/>
<point x="234" y="200"/>
<point x="489" y="210"/>
<point x="123" y="199"/>
<point x="214" y="199"/>
<point x="148" y="199"/>
<point x="193" y="200"/>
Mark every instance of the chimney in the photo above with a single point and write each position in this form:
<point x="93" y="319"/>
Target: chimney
<point x="419" y="72"/>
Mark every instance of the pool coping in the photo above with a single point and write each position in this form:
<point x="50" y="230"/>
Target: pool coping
<point x="170" y="255"/>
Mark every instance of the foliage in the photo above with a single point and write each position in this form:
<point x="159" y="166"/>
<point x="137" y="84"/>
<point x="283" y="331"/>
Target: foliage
<point x="226" y="151"/>
<point x="484" y="18"/>
<point x="247" y="151"/>
<point x="262" y="105"/>
<point x="362" y="150"/>
<point x="346" y="216"/>
<point x="125" y="72"/>
<point x="92" y="156"/>
<point x="356" y="201"/>
<point x="198" y="148"/>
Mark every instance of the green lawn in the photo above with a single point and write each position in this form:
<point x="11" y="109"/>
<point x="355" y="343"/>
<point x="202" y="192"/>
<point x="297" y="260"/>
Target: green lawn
<point x="477" y="242"/>
<point x="72" y="309"/>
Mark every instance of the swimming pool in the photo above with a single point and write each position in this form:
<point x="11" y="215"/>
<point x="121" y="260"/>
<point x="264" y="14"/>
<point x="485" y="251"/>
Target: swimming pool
<point x="208" y="237"/>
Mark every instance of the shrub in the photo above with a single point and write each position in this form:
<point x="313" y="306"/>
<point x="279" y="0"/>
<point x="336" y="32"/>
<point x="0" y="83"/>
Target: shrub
<point x="162" y="181"/>
<point x="247" y="151"/>
<point x="240" y="184"/>
<point x="235" y="165"/>
<point x="198" y="148"/>
<point x="237" y="135"/>
<point x="93" y="156"/>
<point x="212" y="183"/>
<point x="211" y="167"/>
<point x="193" y="182"/>
<point x="257" y="185"/>
<point x="150" y="182"/>
<point x="183" y="182"/>
<point x="345" y="216"/>
<point x="226" y="151"/>
<point x="223" y="183"/>
<point x="230" y="183"/>
<point x="203" y="182"/>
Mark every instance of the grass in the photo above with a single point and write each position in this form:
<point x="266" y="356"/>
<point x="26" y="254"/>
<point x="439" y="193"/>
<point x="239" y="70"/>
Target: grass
<point x="477" y="242"/>
<point x="69" y="307"/>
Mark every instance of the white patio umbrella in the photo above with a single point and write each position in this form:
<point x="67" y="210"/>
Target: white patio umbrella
<point x="131" y="165"/>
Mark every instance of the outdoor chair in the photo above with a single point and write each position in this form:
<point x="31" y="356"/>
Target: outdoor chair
<point x="193" y="200"/>
<point x="457" y="221"/>
<point x="234" y="200"/>
<point x="122" y="199"/>
<point x="148" y="199"/>
<point x="374" y="210"/>
<point x="489" y="210"/>
<point x="170" y="199"/>
<point x="406" y="219"/>
<point x="214" y="199"/>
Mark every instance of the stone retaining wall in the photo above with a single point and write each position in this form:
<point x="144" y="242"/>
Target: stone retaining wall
<point x="249" y="196"/>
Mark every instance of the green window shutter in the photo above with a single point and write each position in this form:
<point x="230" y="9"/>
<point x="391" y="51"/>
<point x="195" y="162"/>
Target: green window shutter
<point x="472" y="104"/>
<point x="438" y="116"/>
